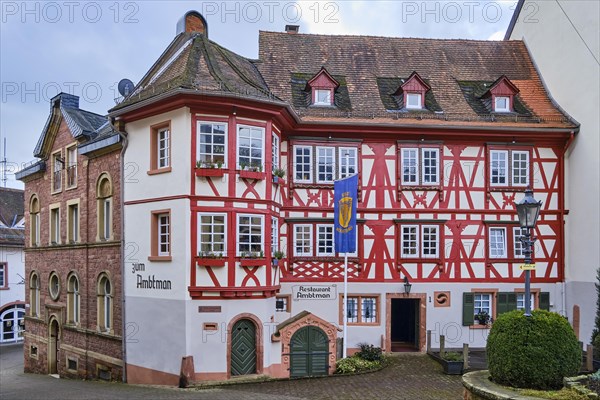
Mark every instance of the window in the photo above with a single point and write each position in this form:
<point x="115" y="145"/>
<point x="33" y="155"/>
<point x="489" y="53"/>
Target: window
<point x="413" y="100"/>
<point x="105" y="303"/>
<point x="275" y="151"/>
<point x="104" y="203"/>
<point x="518" y="245"/>
<point x="54" y="286"/>
<point x="322" y="97"/>
<point x="303" y="240"/>
<point x="425" y="172"/>
<point x="250" y="239"/>
<point x="362" y="309"/>
<point x="521" y="301"/>
<point x="419" y="241"/>
<point x="54" y="225"/>
<point x="482" y="303"/>
<point x="325" y="240"/>
<point x="73" y="299"/>
<point x="3" y="276"/>
<point x="282" y="303"/>
<point x="501" y="104"/>
<point x="164" y="234"/>
<point x="160" y="148"/>
<point x="34" y="295"/>
<point x="34" y="215"/>
<point x="324" y="163"/>
<point x="73" y="223"/>
<point x="501" y="175"/>
<point x="274" y="234"/>
<point x="212" y="143"/>
<point x="72" y="166"/>
<point x="212" y="234"/>
<point x="348" y="161"/>
<point x="57" y="167"/>
<point x="250" y="147"/>
<point x="497" y="242"/>
<point x="303" y="164"/>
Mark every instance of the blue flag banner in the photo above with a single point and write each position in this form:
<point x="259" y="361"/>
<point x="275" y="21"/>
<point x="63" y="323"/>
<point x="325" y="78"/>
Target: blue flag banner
<point x="345" y="204"/>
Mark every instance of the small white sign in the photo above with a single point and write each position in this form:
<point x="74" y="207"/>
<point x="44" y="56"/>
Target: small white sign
<point x="314" y="292"/>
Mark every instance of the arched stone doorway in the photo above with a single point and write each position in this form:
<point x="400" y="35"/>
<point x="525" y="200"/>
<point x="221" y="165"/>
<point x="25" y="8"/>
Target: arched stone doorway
<point x="309" y="352"/>
<point x="243" y="348"/>
<point x="53" y="346"/>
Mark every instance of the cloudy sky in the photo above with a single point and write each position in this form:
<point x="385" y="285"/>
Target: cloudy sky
<point x="85" y="48"/>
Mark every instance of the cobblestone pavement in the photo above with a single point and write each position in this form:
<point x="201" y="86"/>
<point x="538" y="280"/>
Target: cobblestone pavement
<point x="410" y="376"/>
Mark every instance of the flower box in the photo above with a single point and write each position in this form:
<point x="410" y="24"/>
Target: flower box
<point x="210" y="172"/>
<point x="256" y="175"/>
<point x="252" y="262"/>
<point x="210" y="262"/>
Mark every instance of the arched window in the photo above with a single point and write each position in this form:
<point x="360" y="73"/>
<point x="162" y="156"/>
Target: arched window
<point x="34" y="215"/>
<point x="34" y="295"/>
<point x="73" y="299"/>
<point x="105" y="303"/>
<point x="104" y="195"/>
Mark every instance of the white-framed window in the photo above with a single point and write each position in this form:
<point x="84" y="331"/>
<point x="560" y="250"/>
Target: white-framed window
<point x="3" y="279"/>
<point x="362" y="309"/>
<point x="163" y="143"/>
<point x="72" y="166"/>
<point x="73" y="299"/>
<point x="368" y="310"/>
<point x="212" y="143"/>
<point x="282" y="304"/>
<point x="55" y="225"/>
<point x="518" y="245"/>
<point x="325" y="164"/>
<point x="420" y="166"/>
<point x="325" y="240"/>
<point x="303" y="164"/>
<point x="520" y="168"/>
<point x="323" y="97"/>
<point x="413" y="100"/>
<point x="212" y="234"/>
<point x="521" y="301"/>
<point x="303" y="240"/>
<point x="250" y="146"/>
<point x="352" y="309"/>
<point x="250" y="238"/>
<point x="274" y="234"/>
<point x="503" y="175"/>
<point x="275" y="149"/>
<point x="497" y="242"/>
<point x="164" y="234"/>
<point x="482" y="303"/>
<point x="419" y="241"/>
<point x="348" y="162"/>
<point x="501" y="104"/>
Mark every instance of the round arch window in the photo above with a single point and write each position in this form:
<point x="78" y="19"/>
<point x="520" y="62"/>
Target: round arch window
<point x="54" y="286"/>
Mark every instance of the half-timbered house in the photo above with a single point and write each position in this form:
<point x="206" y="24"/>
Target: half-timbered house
<point x="228" y="206"/>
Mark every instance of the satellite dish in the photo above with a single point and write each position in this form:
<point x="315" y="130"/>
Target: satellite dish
<point x="125" y="87"/>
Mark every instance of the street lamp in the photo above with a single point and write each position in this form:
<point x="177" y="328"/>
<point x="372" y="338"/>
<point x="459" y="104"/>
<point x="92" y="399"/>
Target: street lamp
<point x="528" y="211"/>
<point x="407" y="286"/>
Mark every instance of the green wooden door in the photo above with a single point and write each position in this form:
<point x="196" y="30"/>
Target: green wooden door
<point x="243" y="348"/>
<point x="309" y="352"/>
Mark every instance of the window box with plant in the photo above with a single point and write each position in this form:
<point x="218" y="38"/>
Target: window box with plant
<point x="210" y="259"/>
<point x="252" y="171"/>
<point x="482" y="317"/>
<point x="252" y="258"/>
<point x="278" y="175"/>
<point x="209" y="168"/>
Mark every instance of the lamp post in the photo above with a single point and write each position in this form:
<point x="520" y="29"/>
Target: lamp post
<point x="528" y="210"/>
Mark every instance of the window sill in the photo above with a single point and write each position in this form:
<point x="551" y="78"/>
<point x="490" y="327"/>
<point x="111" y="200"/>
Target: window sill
<point x="354" y="260"/>
<point x="160" y="258"/>
<point x="159" y="171"/>
<point x="210" y="172"/>
<point x="56" y="191"/>
<point x="256" y="175"/>
<point x="433" y="187"/>
<point x="506" y="188"/>
<point x="4" y="288"/>
<point x="71" y="188"/>
<point x="361" y="323"/>
<point x="478" y="326"/>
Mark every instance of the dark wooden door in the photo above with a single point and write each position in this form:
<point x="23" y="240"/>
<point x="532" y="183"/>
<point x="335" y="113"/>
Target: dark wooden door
<point x="243" y="348"/>
<point x="309" y="352"/>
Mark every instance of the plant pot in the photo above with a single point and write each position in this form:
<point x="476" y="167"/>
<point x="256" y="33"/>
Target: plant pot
<point x="256" y="175"/>
<point x="275" y="262"/>
<point x="210" y="172"/>
<point x="276" y="180"/>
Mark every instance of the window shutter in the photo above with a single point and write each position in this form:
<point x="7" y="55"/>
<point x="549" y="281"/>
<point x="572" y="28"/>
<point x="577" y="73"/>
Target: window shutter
<point x="468" y="308"/>
<point x="545" y="301"/>
<point x="501" y="303"/>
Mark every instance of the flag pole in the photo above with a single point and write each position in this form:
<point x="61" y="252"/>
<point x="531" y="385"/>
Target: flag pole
<point x="345" y="342"/>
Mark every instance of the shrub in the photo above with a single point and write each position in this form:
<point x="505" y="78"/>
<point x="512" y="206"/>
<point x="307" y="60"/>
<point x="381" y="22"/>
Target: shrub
<point x="354" y="364"/>
<point x="535" y="352"/>
<point x="453" y="356"/>
<point x="369" y="352"/>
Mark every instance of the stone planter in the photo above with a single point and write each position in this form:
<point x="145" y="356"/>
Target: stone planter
<point x="450" y="367"/>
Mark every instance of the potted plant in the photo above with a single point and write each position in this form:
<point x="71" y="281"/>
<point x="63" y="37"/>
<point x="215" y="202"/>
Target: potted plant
<point x="277" y="255"/>
<point x="210" y="259"/>
<point x="278" y="173"/>
<point x="252" y="258"/>
<point x="251" y="171"/>
<point x="209" y="168"/>
<point x="452" y="363"/>
<point x="482" y="317"/>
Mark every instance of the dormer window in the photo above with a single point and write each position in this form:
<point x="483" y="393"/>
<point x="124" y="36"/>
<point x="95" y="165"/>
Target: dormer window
<point x="502" y="104"/>
<point x="322" y="87"/>
<point x="413" y="100"/>
<point x="502" y="92"/>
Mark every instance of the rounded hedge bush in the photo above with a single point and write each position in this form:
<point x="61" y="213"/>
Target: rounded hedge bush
<point x="535" y="352"/>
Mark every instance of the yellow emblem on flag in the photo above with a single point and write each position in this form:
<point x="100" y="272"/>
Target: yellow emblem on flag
<point x="345" y="210"/>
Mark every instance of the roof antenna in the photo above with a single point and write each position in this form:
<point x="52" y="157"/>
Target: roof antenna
<point x="4" y="163"/>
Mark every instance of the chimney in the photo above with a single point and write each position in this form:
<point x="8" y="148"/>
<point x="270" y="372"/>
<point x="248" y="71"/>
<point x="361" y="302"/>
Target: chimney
<point x="292" y="29"/>
<point x="192" y="21"/>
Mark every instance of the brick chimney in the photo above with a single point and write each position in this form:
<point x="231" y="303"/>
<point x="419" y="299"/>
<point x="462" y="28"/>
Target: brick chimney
<point x="292" y="29"/>
<point x="192" y="21"/>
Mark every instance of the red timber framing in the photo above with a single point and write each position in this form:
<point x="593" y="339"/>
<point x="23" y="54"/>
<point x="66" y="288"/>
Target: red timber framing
<point x="464" y="198"/>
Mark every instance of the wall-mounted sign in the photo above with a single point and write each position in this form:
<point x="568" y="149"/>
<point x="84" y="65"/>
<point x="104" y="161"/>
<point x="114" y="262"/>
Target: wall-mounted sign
<point x="314" y="292"/>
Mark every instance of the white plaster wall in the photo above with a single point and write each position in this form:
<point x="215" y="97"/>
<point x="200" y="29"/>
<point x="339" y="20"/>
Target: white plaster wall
<point x="15" y="258"/>
<point x="566" y="52"/>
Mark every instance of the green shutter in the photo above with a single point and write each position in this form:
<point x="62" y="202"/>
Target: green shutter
<point x="505" y="301"/>
<point x="545" y="301"/>
<point x="468" y="308"/>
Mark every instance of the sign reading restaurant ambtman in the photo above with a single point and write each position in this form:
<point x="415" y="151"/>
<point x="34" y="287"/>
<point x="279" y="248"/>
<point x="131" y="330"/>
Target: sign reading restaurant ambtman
<point x="314" y="292"/>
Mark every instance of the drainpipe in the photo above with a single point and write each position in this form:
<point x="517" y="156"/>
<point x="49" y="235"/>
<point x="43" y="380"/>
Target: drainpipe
<point x="123" y="136"/>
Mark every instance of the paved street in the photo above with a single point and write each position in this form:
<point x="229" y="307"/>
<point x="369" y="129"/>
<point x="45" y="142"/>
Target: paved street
<point x="410" y="376"/>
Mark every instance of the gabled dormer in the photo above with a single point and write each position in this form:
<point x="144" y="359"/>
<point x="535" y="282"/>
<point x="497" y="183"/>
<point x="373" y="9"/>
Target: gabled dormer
<point x="322" y="87"/>
<point x="502" y="94"/>
<point x="413" y="92"/>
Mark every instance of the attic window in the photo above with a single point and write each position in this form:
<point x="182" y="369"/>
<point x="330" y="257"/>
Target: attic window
<point x="322" y="87"/>
<point x="322" y="97"/>
<point x="502" y="104"/>
<point x="413" y="100"/>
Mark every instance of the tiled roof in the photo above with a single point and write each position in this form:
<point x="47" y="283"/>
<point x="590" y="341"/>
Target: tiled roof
<point x="11" y="213"/>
